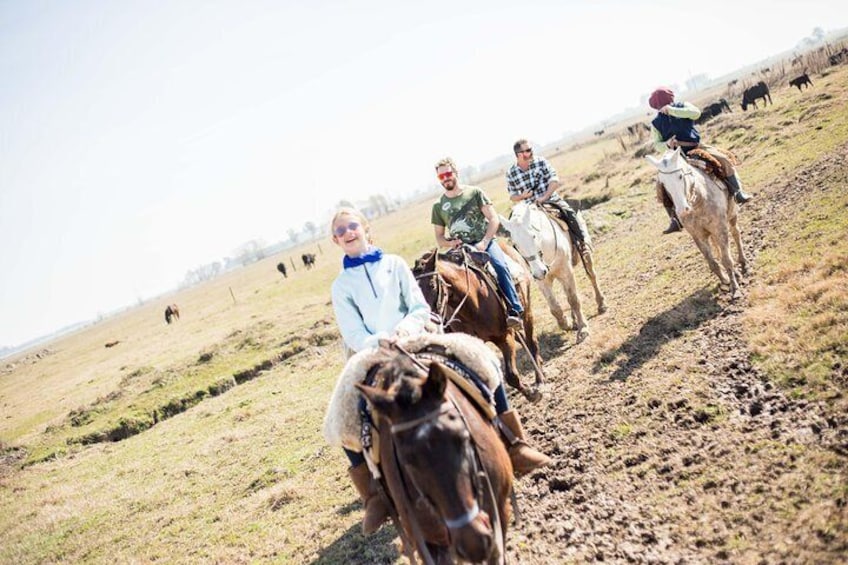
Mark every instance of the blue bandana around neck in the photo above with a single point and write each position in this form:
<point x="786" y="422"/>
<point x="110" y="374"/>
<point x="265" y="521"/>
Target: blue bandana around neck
<point x="373" y="255"/>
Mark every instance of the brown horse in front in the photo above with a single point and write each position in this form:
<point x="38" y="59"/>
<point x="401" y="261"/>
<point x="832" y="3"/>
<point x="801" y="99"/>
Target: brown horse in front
<point x="468" y="302"/>
<point x="444" y="466"/>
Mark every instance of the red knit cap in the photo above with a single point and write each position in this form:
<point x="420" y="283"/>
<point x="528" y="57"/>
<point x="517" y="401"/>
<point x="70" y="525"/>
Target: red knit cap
<point x="661" y="97"/>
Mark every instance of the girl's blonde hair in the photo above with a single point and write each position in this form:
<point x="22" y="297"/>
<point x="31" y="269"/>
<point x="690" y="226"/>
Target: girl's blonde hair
<point x="363" y="221"/>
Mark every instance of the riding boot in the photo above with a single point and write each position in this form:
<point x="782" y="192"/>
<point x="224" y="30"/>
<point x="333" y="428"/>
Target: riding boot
<point x="376" y="512"/>
<point x="524" y="458"/>
<point x="675" y="223"/>
<point x="574" y="227"/>
<point x="736" y="190"/>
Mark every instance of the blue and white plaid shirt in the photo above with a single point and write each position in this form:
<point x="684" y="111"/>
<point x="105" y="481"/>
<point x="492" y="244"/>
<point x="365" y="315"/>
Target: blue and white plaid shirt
<point x="536" y="178"/>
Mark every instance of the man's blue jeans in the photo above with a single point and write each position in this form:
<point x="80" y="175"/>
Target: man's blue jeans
<point x="504" y="277"/>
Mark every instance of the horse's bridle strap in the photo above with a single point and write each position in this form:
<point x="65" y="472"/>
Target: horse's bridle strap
<point x="405" y="426"/>
<point x="465" y="519"/>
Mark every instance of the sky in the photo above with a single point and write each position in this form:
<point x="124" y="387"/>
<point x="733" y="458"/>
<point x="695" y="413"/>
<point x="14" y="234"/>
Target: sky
<point x="141" y="139"/>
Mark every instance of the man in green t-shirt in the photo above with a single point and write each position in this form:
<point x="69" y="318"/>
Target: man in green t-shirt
<point x="469" y="217"/>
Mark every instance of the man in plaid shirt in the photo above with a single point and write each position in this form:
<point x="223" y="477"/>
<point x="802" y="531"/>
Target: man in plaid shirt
<point x="533" y="178"/>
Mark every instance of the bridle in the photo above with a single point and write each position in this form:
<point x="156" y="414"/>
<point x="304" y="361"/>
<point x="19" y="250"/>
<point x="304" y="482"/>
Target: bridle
<point x="476" y="474"/>
<point x="447" y="407"/>
<point x="688" y="176"/>
<point x="539" y="255"/>
<point x="442" y="288"/>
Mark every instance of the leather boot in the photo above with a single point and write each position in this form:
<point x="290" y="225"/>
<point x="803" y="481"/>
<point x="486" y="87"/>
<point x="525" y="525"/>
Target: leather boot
<point x="376" y="512"/>
<point x="570" y="217"/>
<point x="524" y="458"/>
<point x="736" y="190"/>
<point x="675" y="223"/>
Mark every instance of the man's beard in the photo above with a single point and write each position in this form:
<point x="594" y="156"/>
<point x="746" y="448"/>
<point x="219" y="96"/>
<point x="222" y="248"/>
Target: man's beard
<point x="452" y="184"/>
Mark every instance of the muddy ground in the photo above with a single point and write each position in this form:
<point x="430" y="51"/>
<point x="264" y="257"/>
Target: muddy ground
<point x="674" y="448"/>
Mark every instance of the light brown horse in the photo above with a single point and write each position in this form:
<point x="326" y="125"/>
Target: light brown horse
<point x="172" y="312"/>
<point x="706" y="211"/>
<point x="468" y="302"/>
<point x="444" y="465"/>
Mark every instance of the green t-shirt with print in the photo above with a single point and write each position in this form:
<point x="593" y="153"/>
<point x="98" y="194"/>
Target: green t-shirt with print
<point x="461" y="215"/>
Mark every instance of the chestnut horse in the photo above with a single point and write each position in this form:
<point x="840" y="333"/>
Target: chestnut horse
<point x="444" y="465"/>
<point x="468" y="302"/>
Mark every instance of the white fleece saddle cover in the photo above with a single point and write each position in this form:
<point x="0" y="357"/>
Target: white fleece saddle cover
<point x="341" y="422"/>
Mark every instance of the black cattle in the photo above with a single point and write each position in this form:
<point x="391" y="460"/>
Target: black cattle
<point x="308" y="260"/>
<point x="839" y="56"/>
<point x="713" y="110"/>
<point x="282" y="268"/>
<point x="759" y="90"/>
<point x="599" y="132"/>
<point x="803" y="80"/>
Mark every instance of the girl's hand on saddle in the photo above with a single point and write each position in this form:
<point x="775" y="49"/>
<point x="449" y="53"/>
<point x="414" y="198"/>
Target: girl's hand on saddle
<point x="455" y="243"/>
<point x="672" y="142"/>
<point x="483" y="244"/>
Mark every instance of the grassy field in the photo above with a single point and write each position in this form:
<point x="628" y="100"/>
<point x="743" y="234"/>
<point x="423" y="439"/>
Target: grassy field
<point x="200" y="441"/>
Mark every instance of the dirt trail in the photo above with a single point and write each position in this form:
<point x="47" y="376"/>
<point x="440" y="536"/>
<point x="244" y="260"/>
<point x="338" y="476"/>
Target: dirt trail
<point x="675" y="449"/>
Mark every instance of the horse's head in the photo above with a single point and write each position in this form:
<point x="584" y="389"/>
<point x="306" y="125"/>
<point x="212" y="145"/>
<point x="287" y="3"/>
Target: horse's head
<point x="677" y="177"/>
<point x="426" y="273"/>
<point x="526" y="235"/>
<point x="434" y="450"/>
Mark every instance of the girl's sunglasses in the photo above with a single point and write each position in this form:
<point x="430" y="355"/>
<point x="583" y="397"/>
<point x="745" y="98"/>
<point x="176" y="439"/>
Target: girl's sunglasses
<point x="341" y="230"/>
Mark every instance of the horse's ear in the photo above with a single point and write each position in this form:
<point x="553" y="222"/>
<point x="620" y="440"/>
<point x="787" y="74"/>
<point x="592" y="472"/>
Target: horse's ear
<point x="653" y="160"/>
<point x="431" y="260"/>
<point x="436" y="382"/>
<point x="379" y="399"/>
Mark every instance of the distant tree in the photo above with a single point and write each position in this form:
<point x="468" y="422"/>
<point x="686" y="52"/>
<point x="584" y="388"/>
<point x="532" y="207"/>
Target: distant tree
<point x="293" y="236"/>
<point x="311" y="228"/>
<point x="346" y="204"/>
<point x="818" y="35"/>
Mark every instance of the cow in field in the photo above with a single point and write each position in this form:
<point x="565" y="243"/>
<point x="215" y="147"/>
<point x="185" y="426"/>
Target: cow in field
<point x="282" y="268"/>
<point x="759" y="90"/>
<point x="713" y="110"/>
<point x="599" y="132"/>
<point x="308" y="260"/>
<point x="803" y="80"/>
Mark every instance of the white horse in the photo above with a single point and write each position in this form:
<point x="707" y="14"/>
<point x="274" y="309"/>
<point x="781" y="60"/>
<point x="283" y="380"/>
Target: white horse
<point x="706" y="210"/>
<point x="547" y="248"/>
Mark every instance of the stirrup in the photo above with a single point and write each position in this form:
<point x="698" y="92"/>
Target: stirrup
<point x="513" y="321"/>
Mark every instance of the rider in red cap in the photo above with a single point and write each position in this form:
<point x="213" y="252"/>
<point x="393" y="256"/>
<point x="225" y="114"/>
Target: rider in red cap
<point x="674" y="126"/>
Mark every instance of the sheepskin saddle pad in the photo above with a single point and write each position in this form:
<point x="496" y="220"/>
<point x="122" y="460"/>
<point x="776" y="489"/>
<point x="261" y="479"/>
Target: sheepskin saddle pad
<point x="342" y="426"/>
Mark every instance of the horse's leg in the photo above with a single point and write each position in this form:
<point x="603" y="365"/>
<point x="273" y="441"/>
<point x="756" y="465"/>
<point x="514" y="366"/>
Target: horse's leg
<point x="548" y="292"/>
<point x="737" y="239"/>
<point x="533" y="346"/>
<point x="569" y="284"/>
<point x="704" y="245"/>
<point x="589" y="267"/>
<point x="508" y="347"/>
<point x="723" y="242"/>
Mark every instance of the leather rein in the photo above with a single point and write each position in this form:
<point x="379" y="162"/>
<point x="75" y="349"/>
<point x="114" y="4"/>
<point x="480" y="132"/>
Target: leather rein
<point x="476" y="475"/>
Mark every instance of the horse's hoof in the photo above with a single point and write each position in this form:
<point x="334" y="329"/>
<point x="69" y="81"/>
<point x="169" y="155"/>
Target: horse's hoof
<point x="533" y="395"/>
<point x="602" y="309"/>
<point x="736" y="294"/>
<point x="582" y="335"/>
